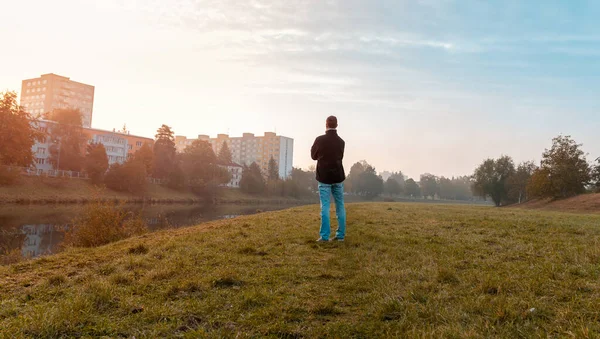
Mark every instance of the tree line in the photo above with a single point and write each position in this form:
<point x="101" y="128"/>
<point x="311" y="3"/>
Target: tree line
<point x="364" y="181"/>
<point x="197" y="168"/>
<point x="563" y="172"/>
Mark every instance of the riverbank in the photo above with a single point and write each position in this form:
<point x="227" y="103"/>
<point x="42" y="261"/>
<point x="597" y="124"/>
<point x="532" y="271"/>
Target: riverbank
<point x="44" y="190"/>
<point x="405" y="270"/>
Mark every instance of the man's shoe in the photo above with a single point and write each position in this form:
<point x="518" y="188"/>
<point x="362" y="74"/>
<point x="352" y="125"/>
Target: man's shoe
<point x="337" y="239"/>
<point x="322" y="240"/>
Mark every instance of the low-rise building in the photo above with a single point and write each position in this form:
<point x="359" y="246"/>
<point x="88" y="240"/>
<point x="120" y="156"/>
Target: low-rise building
<point x="235" y="171"/>
<point x="135" y="143"/>
<point x="116" y="144"/>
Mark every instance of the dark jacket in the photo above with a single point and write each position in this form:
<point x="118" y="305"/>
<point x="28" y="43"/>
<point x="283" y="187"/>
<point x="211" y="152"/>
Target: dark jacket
<point x="328" y="150"/>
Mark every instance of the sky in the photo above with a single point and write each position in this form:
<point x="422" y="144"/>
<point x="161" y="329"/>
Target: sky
<point x="420" y="86"/>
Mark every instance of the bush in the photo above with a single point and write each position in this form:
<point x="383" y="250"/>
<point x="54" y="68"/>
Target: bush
<point x="176" y="179"/>
<point x="128" y="177"/>
<point x="9" y="175"/>
<point x="9" y="257"/>
<point x="102" y="223"/>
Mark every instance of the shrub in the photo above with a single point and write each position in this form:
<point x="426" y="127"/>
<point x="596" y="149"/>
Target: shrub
<point x="9" y="257"/>
<point x="102" y="223"/>
<point x="128" y="177"/>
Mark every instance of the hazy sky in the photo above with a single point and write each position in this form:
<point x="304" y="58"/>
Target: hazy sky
<point x="419" y="86"/>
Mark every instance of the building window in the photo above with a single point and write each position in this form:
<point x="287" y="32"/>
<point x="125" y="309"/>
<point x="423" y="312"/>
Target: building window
<point x="138" y="144"/>
<point x="45" y="81"/>
<point x="41" y="150"/>
<point x="40" y="161"/>
<point x="29" y="84"/>
<point x="130" y="146"/>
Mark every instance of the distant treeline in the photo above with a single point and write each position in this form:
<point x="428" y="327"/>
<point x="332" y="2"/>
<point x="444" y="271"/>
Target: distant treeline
<point x="363" y="180"/>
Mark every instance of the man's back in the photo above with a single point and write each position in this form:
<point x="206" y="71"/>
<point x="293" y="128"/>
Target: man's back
<point x="328" y="150"/>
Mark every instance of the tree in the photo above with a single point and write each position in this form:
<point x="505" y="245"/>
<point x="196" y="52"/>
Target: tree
<point x="352" y="181"/>
<point x="429" y="185"/>
<point x="517" y="183"/>
<point x="304" y="181"/>
<point x="462" y="188"/>
<point x="446" y="188"/>
<point x="96" y="162"/>
<point x="491" y="178"/>
<point x="225" y="154"/>
<point x="370" y="184"/>
<point x="596" y="175"/>
<point x="539" y="184"/>
<point x="199" y="165"/>
<point x="411" y="188"/>
<point x="146" y="156"/>
<point x="392" y="187"/>
<point x="252" y="180"/>
<point x="164" y="153"/>
<point x="68" y="139"/>
<point x="17" y="132"/>
<point x="455" y="188"/>
<point x="566" y="167"/>
<point x="128" y="177"/>
<point x="399" y="177"/>
<point x="273" y="172"/>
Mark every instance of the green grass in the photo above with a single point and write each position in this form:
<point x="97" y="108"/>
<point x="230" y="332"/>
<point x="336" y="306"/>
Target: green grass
<point x="405" y="270"/>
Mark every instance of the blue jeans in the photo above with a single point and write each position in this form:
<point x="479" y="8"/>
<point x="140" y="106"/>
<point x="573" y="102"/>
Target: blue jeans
<point x="325" y="192"/>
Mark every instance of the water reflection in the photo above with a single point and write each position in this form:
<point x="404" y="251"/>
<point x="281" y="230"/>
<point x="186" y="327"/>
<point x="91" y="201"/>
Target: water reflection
<point x="40" y="239"/>
<point x="40" y="230"/>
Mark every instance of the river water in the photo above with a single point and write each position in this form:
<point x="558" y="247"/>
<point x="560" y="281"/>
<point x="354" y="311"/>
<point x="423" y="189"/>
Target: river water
<point x="37" y="230"/>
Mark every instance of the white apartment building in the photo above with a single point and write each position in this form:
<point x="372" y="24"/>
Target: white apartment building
<point x="250" y="148"/>
<point x="116" y="145"/>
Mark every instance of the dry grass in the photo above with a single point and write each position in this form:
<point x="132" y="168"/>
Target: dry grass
<point x="405" y="270"/>
<point x="102" y="223"/>
<point x="584" y="203"/>
<point x="61" y="190"/>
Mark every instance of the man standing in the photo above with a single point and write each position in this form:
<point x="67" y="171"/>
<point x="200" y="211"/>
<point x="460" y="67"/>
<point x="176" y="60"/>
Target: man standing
<point x="328" y="150"/>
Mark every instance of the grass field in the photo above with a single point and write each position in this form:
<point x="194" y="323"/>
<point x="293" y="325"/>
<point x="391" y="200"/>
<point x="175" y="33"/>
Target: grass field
<point x="405" y="270"/>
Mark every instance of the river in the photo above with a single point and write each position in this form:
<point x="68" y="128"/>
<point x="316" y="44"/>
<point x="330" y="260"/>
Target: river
<point x="37" y="230"/>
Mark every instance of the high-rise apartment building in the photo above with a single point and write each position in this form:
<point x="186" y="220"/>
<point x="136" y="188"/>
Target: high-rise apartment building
<point x="50" y="91"/>
<point x="250" y="148"/>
